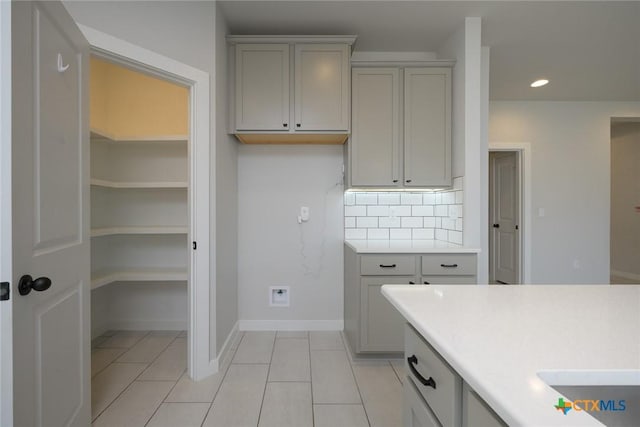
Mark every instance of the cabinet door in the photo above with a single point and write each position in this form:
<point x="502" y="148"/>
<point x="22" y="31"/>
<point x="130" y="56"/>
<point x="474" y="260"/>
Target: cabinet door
<point x="416" y="412"/>
<point x="427" y="127"/>
<point x="375" y="139"/>
<point x="475" y="412"/>
<point x="381" y="325"/>
<point x="262" y="87"/>
<point x="322" y="87"/>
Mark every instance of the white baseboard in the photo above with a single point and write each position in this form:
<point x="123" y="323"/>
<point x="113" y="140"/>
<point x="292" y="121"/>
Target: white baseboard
<point x="225" y="353"/>
<point x="626" y="275"/>
<point x="148" y="325"/>
<point x="291" y="325"/>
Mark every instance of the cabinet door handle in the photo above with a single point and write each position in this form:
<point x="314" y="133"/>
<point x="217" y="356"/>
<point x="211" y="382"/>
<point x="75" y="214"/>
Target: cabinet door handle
<point x="408" y="180"/>
<point x="395" y="180"/>
<point x="412" y="283"/>
<point x="298" y="125"/>
<point x="449" y="265"/>
<point x="285" y="125"/>
<point x="387" y="266"/>
<point x="426" y="283"/>
<point x="413" y="360"/>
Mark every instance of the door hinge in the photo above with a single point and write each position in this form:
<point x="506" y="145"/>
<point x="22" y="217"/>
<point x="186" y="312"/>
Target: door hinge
<point x="517" y="228"/>
<point x="5" y="291"/>
<point x="195" y="246"/>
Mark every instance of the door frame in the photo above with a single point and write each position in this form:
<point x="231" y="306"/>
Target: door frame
<point x="6" y="263"/>
<point x="524" y="164"/>
<point x="119" y="51"/>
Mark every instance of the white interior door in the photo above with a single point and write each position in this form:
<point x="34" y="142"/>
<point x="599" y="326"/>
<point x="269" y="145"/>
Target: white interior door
<point x="504" y="217"/>
<point x="50" y="162"/>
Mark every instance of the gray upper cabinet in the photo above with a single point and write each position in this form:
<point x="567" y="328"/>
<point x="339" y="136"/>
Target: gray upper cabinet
<point x="375" y="140"/>
<point x="401" y="128"/>
<point x="291" y="89"/>
<point x="322" y="87"/>
<point x="262" y="87"/>
<point x="427" y="127"/>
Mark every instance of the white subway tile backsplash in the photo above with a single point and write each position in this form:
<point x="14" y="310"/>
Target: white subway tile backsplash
<point x="355" y="211"/>
<point x="378" y="234"/>
<point x="448" y="224"/>
<point x="411" y="198"/>
<point x="388" y="198"/>
<point x="349" y="199"/>
<point x="367" y="222"/>
<point x="400" y="233"/>
<point x="355" y="233"/>
<point x="412" y="222"/>
<point x="366" y="198"/>
<point x="459" y="197"/>
<point x="415" y="215"/>
<point x="399" y="211"/>
<point x="388" y="222"/>
<point x="429" y="198"/>
<point x="448" y="198"/>
<point x="442" y="210"/>
<point x="455" y="237"/>
<point x="421" y="210"/>
<point x="441" y="234"/>
<point x="377" y="210"/>
<point x="423" y="233"/>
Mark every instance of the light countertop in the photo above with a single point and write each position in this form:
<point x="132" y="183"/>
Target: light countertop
<point x="407" y="246"/>
<point x="498" y="338"/>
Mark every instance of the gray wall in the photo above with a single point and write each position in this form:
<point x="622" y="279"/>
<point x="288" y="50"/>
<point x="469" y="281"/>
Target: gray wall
<point x="273" y="249"/>
<point x="225" y="231"/>
<point x="625" y="196"/>
<point x="570" y="144"/>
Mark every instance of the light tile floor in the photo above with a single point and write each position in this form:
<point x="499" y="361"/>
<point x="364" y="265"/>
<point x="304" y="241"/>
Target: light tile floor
<point x="278" y="379"/>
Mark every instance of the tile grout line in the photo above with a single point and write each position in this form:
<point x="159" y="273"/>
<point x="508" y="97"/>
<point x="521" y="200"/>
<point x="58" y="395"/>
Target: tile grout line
<point x="266" y="382"/>
<point x="128" y="385"/>
<point x="224" y="376"/>
<point x="364" y="408"/>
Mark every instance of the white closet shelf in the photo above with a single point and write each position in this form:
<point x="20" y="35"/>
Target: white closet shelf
<point x="151" y="274"/>
<point x="158" y="229"/>
<point x="100" y="134"/>
<point x="132" y="184"/>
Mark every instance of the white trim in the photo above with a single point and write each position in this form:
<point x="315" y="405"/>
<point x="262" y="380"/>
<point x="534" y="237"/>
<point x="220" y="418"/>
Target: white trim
<point x="291" y="325"/>
<point x="524" y="148"/>
<point x="147" y="325"/>
<point x="347" y="39"/>
<point x="229" y="345"/>
<point x="6" y="324"/>
<point x="626" y="275"/>
<point x="199" y="154"/>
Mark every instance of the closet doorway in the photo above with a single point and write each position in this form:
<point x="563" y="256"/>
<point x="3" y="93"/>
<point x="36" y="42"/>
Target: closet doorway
<point x="505" y="217"/>
<point x="199" y="289"/>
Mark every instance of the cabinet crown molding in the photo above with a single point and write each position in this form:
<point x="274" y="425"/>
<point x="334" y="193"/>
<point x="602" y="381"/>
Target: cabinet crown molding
<point x="347" y="39"/>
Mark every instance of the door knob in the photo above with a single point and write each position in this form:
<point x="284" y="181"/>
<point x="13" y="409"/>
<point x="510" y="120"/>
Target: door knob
<point x="27" y="283"/>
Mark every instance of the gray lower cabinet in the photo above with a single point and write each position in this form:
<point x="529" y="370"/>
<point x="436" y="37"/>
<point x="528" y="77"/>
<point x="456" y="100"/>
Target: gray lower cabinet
<point x="434" y="393"/>
<point x="371" y="323"/>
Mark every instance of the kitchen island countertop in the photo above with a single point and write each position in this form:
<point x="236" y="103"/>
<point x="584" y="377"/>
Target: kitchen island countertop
<point x="498" y="338"/>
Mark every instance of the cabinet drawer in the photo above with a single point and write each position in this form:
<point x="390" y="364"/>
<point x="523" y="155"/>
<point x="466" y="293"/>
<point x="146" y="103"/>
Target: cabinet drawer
<point x="449" y="264"/>
<point x="444" y="398"/>
<point x="388" y="265"/>
<point x="448" y="280"/>
<point x="416" y="413"/>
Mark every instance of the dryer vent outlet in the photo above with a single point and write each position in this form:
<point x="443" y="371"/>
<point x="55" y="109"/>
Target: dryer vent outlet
<point x="279" y="296"/>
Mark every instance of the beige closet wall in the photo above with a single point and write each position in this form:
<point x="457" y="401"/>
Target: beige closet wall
<point x="625" y="196"/>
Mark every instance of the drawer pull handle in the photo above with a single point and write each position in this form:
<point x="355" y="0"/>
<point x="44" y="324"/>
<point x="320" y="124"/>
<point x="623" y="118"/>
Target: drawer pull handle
<point x="426" y="283"/>
<point x="387" y="266"/>
<point x="412" y="283"/>
<point x="449" y="265"/>
<point x="425" y="382"/>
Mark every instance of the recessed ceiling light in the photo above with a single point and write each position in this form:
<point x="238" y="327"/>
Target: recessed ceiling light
<point x="539" y="83"/>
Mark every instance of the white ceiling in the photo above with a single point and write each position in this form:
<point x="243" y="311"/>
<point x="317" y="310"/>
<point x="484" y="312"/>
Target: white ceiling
<point x="590" y="51"/>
